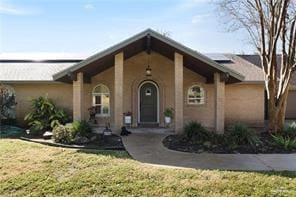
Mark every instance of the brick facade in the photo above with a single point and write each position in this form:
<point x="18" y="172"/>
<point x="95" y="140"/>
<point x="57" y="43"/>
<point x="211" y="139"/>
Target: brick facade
<point x="118" y="91"/>
<point x="243" y="102"/>
<point x="78" y="100"/>
<point x="219" y="103"/>
<point x="179" y="101"/>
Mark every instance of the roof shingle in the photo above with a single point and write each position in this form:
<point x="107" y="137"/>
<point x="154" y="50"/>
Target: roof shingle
<point x="251" y="72"/>
<point x="43" y="71"/>
<point x="255" y="59"/>
<point x="38" y="71"/>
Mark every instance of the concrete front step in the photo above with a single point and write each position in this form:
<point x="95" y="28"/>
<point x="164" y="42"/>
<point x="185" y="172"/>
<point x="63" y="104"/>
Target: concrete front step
<point x="97" y="129"/>
<point x="159" y="130"/>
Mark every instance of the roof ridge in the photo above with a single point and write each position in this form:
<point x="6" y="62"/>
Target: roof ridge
<point x="167" y="40"/>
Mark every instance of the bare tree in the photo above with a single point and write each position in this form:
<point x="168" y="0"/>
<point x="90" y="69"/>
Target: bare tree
<point x="271" y="27"/>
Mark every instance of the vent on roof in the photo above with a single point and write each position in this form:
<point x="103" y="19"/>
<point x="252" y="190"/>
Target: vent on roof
<point x="220" y="58"/>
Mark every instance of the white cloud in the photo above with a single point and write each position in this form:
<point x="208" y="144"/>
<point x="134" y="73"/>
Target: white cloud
<point x="188" y="4"/>
<point x="89" y="6"/>
<point x="10" y="9"/>
<point x="199" y="18"/>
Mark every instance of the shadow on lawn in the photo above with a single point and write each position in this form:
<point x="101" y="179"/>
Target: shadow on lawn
<point x="287" y="174"/>
<point x="14" y="137"/>
<point x="122" y="154"/>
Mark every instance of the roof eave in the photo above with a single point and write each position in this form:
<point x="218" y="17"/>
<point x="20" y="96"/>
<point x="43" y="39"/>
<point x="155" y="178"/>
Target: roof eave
<point x="98" y="55"/>
<point x="198" y="55"/>
<point x="162" y="38"/>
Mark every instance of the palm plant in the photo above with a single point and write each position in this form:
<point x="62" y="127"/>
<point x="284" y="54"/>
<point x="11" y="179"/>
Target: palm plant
<point x="44" y="115"/>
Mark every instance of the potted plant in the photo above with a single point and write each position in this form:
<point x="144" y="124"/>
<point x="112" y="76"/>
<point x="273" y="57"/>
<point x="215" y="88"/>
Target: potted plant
<point x="92" y="115"/>
<point x="168" y="115"/>
<point x="127" y="117"/>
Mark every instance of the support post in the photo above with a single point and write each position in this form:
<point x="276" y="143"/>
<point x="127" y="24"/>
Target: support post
<point x="219" y="103"/>
<point x="118" y="92"/>
<point x="179" y="102"/>
<point x="78" y="97"/>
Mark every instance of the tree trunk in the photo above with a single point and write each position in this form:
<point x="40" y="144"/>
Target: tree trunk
<point x="282" y="113"/>
<point x="277" y="114"/>
<point x="273" y="126"/>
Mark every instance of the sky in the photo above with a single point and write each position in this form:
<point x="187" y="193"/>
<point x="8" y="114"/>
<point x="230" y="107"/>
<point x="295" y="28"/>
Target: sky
<point x="88" y="26"/>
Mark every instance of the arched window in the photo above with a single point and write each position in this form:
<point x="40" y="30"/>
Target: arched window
<point x="101" y="100"/>
<point x="196" y="95"/>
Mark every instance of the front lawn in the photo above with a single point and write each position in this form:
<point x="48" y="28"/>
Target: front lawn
<point x="38" y="170"/>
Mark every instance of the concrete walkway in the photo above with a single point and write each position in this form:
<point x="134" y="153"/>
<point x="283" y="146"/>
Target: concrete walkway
<point x="148" y="148"/>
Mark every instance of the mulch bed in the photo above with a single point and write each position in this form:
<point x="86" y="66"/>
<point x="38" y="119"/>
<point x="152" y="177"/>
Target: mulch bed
<point x="112" y="142"/>
<point x="180" y="143"/>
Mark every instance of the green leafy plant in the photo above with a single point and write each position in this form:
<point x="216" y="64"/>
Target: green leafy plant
<point x="63" y="134"/>
<point x="195" y="131"/>
<point x="285" y="142"/>
<point x="7" y="105"/>
<point x="128" y="113"/>
<point x="241" y="135"/>
<point x="44" y="115"/>
<point x="290" y="129"/>
<point x="169" y="112"/>
<point x="81" y="128"/>
<point x="217" y="139"/>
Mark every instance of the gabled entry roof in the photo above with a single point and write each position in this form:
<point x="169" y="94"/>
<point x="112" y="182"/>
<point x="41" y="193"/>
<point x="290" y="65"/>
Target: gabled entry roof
<point x="144" y="41"/>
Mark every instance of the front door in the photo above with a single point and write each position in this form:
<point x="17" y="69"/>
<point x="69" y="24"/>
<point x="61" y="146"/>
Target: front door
<point x="148" y="103"/>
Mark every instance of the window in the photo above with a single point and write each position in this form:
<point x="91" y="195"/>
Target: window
<point x="196" y="95"/>
<point x="101" y="100"/>
<point x="148" y="92"/>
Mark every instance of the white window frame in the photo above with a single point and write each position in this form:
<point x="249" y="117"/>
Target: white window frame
<point x="203" y="99"/>
<point x="94" y="94"/>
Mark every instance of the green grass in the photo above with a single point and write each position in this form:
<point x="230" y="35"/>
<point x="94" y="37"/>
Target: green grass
<point x="38" y="170"/>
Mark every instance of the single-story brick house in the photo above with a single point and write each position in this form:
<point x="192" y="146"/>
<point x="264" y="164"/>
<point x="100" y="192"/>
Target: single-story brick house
<point x="144" y="74"/>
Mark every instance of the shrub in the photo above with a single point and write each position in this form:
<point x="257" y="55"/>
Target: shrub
<point x="285" y="142"/>
<point x="9" y="121"/>
<point x="290" y="130"/>
<point x="63" y="134"/>
<point x="241" y="135"/>
<point x="7" y="102"/>
<point x="218" y="139"/>
<point x="195" y="131"/>
<point x="81" y="128"/>
<point x="45" y="115"/>
<point x="168" y="112"/>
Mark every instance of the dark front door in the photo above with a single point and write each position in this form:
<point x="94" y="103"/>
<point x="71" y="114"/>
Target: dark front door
<point x="148" y="103"/>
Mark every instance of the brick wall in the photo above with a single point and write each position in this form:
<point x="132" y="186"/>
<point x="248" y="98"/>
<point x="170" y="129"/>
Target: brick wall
<point x="243" y="102"/>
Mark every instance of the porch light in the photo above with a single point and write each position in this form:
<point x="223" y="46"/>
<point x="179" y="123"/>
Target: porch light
<point x="148" y="71"/>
